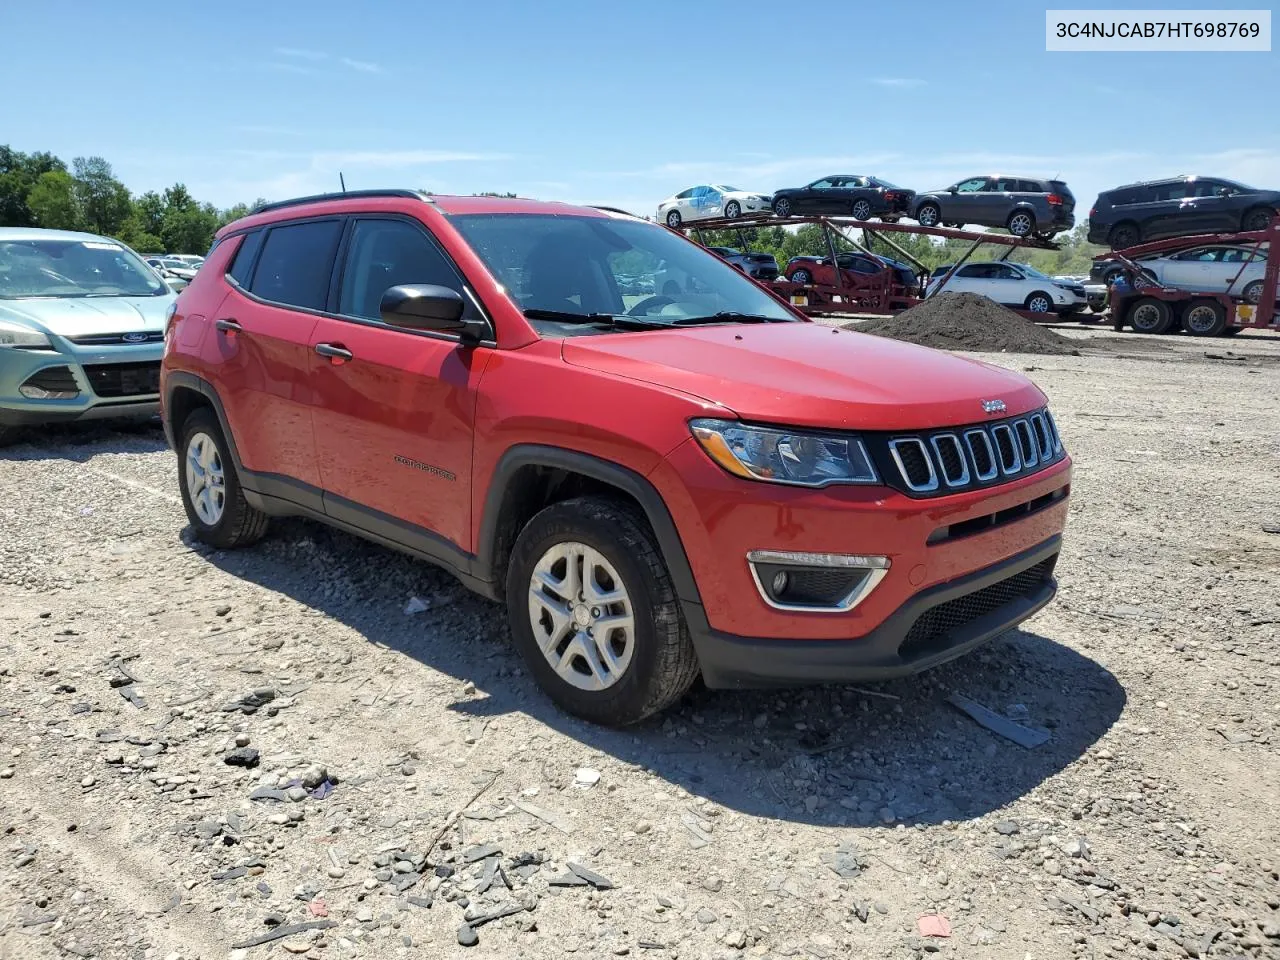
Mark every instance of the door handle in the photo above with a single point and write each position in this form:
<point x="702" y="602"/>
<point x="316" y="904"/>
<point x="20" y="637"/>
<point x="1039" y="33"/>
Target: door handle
<point x="228" y="326"/>
<point x="335" y="352"/>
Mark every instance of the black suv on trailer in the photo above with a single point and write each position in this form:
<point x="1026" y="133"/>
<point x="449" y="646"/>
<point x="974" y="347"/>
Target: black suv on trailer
<point x="1022" y="205"/>
<point x="1178" y="207"/>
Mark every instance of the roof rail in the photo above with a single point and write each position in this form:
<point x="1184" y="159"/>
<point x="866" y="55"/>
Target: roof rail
<point x="627" y="213"/>
<point x="347" y="195"/>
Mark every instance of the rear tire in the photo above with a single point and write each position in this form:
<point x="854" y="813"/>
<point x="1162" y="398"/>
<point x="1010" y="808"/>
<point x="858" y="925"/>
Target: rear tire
<point x="1150" y="315"/>
<point x="1021" y="223"/>
<point x="1253" y="292"/>
<point x="1204" y="318"/>
<point x="928" y="214"/>
<point x="219" y="514"/>
<point x="654" y="656"/>
<point x="1124" y="235"/>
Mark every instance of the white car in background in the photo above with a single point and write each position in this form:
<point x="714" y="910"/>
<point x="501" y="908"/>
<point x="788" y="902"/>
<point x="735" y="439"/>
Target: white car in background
<point x="1215" y="268"/>
<point x="1014" y="285"/>
<point x="709" y="201"/>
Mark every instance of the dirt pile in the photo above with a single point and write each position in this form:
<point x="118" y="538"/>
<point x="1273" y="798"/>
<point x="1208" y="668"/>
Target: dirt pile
<point x="966" y="321"/>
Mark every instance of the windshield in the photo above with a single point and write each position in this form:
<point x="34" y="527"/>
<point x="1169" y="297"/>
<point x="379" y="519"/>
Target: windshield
<point x="1025" y="268"/>
<point x="581" y="266"/>
<point x="74" y="268"/>
<point x="723" y="189"/>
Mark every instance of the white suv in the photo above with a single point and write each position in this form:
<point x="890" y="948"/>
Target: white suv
<point x="1014" y="285"/>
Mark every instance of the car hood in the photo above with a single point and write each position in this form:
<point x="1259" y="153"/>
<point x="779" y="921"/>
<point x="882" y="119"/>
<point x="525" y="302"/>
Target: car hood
<point x="88" y="316"/>
<point x="805" y="374"/>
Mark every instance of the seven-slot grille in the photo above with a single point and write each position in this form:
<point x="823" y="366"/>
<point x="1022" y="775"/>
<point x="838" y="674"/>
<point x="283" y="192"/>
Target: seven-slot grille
<point x="948" y="461"/>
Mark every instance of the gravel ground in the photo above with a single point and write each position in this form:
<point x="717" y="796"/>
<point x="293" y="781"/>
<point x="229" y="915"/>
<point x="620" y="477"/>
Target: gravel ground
<point x="200" y="749"/>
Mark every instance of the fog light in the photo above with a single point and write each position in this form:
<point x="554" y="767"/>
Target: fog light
<point x="815" y="582"/>
<point x="40" y="393"/>
<point x="780" y="581"/>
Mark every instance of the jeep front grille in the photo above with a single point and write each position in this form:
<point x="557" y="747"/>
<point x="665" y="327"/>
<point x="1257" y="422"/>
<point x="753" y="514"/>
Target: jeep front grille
<point x="935" y="463"/>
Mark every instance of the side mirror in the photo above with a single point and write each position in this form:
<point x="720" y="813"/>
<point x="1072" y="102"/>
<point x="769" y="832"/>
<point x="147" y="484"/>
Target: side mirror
<point x="424" y="306"/>
<point x="953" y="189"/>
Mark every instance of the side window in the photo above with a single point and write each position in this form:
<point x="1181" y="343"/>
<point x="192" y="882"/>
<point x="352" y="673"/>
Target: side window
<point x="243" y="262"/>
<point x="1009" y="185"/>
<point x="1005" y="272"/>
<point x="974" y="271"/>
<point x="1030" y="186"/>
<point x="296" y="262"/>
<point x="386" y="253"/>
<point x="684" y="194"/>
<point x="971" y="186"/>
<point x="822" y="184"/>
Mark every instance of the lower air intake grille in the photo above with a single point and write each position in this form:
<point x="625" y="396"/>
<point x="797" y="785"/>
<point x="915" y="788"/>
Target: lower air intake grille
<point x="932" y="630"/>
<point x="124" y="379"/>
<point x="54" y="380"/>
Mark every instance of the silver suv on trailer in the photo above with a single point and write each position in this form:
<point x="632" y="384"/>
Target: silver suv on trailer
<point x="1025" y="206"/>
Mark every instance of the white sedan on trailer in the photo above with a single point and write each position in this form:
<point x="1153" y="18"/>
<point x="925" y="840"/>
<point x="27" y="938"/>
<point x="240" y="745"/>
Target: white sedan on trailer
<point x="709" y="201"/>
<point x="1220" y="268"/>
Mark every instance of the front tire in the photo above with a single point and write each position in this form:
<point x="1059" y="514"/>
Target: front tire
<point x="860" y="210"/>
<point x="1258" y="218"/>
<point x="210" y="487"/>
<point x="1150" y="315"/>
<point x="594" y="613"/>
<point x="1204" y="318"/>
<point x="801" y="276"/>
<point x="1039" y="302"/>
<point x="928" y="214"/>
<point x="673" y="219"/>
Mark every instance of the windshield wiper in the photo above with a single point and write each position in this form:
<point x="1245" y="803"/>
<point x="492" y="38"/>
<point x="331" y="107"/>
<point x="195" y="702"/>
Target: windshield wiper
<point x="601" y="319"/>
<point x="727" y="316"/>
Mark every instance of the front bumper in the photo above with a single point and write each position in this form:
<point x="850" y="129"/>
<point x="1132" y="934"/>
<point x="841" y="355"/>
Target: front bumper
<point x="109" y="381"/>
<point x="934" y="626"/>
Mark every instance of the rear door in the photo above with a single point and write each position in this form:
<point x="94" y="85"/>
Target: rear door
<point x="1009" y="285"/>
<point x="280" y="279"/>
<point x="394" y="420"/>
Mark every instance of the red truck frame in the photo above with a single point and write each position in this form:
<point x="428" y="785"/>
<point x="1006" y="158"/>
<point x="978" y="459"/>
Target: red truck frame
<point x="875" y="294"/>
<point x="1150" y="307"/>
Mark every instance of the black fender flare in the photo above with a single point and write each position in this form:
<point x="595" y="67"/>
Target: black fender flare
<point x="181" y="379"/>
<point x="615" y="475"/>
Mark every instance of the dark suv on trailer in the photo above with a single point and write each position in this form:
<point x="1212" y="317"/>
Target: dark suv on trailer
<point x="1023" y="205"/>
<point x="1178" y="207"/>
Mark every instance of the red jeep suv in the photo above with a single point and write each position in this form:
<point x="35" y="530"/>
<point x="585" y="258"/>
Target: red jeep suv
<point x="696" y="481"/>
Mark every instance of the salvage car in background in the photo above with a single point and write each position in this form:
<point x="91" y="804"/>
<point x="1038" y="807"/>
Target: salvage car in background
<point x="1025" y="206"/>
<point x="807" y="269"/>
<point x="710" y="201"/>
<point x="1178" y="207"/>
<point x="1013" y="285"/>
<point x="854" y="195"/>
<point x="1231" y="268"/>
<point x="762" y="266"/>
<point x="81" y="328"/>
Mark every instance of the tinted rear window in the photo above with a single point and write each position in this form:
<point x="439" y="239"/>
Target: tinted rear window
<point x="296" y="262"/>
<point x="1058" y="187"/>
<point x="243" y="262"/>
<point x="1126" y="195"/>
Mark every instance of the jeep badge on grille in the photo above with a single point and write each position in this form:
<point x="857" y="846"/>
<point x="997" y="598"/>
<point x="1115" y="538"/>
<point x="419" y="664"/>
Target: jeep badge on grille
<point x="993" y="406"/>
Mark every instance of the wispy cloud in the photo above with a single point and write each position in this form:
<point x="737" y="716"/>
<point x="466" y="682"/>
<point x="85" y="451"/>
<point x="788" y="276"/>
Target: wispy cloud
<point x="363" y="66"/>
<point x="284" y="67"/>
<point x="902" y="83"/>
<point x="301" y="54"/>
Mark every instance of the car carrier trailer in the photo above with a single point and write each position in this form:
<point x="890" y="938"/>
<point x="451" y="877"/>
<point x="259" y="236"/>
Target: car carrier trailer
<point x="853" y="293"/>
<point x="1150" y="307"/>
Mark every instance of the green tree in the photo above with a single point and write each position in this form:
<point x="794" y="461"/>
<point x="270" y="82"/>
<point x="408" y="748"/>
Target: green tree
<point x="52" y="202"/>
<point x="18" y="175"/>
<point x="103" y="200"/>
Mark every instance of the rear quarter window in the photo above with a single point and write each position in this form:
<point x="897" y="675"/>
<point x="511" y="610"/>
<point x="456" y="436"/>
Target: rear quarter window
<point x="296" y="263"/>
<point x="242" y="265"/>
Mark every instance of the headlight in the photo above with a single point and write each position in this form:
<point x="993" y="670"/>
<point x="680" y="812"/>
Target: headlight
<point x="14" y="335"/>
<point x="784" y="456"/>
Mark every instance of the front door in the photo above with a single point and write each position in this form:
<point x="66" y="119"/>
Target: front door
<point x="967" y="203"/>
<point x="394" y="409"/>
<point x="263" y="349"/>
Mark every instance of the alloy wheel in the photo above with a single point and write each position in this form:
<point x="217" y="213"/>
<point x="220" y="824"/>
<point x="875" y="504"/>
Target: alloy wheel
<point x="583" y="619"/>
<point x="861" y="210"/>
<point x="1021" y="224"/>
<point x="205" y="479"/>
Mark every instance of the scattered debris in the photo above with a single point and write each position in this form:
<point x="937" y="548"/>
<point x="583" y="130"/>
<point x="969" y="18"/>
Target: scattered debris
<point x="561" y="823"/>
<point x="415" y="605"/>
<point x="1022" y="736"/>
<point x="933" y="925"/>
<point x="251" y="702"/>
<point x="241" y="757"/>
<point x="586" y="777"/>
<point x="844" y="861"/>
<point x="282" y="931"/>
<point x="590" y="876"/>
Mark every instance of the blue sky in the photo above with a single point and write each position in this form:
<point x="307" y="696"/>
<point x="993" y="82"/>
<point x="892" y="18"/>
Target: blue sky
<point x="613" y="103"/>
